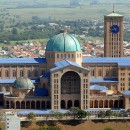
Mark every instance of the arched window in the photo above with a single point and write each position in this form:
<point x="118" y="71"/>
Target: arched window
<point x="99" y="72"/>
<point x="6" y="73"/>
<point x="72" y="55"/>
<point x="35" y="73"/>
<point x="70" y="83"/>
<point x="107" y="72"/>
<point x="29" y="73"/>
<point x="14" y="73"/>
<point x="92" y="72"/>
<point x="113" y="73"/>
<point x="21" y="73"/>
<point x="80" y="54"/>
<point x="65" y="56"/>
<point x="43" y="72"/>
<point x="68" y="55"/>
<point x="61" y="55"/>
<point x="57" y="55"/>
<point x="7" y="88"/>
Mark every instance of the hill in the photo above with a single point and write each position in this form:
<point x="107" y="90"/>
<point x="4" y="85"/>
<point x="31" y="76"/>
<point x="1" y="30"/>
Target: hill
<point x="63" y="10"/>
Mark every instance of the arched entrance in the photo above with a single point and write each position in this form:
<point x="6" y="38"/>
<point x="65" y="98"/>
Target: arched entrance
<point x="96" y="104"/>
<point x="106" y="103"/>
<point x="62" y="104"/>
<point x="76" y="103"/>
<point x="12" y="104"/>
<point x="28" y="105"/>
<point x="70" y="83"/>
<point x="100" y="104"/>
<point x="48" y="105"/>
<point x="69" y="104"/>
<point x="7" y="104"/>
<point x="17" y="105"/>
<point x="32" y="105"/>
<point x="116" y="104"/>
<point x="22" y="105"/>
<point x="43" y="106"/>
<point x="91" y="104"/>
<point x="111" y="103"/>
<point x="38" y="104"/>
<point x="121" y="104"/>
<point x="1" y="99"/>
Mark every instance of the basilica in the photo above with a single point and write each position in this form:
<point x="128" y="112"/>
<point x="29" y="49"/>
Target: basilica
<point x="65" y="79"/>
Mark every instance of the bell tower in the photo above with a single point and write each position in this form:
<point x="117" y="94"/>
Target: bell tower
<point x="113" y="35"/>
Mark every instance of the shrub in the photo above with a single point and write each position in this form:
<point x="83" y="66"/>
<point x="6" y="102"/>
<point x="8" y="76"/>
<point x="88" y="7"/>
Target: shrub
<point x="49" y="128"/>
<point x="108" y="128"/>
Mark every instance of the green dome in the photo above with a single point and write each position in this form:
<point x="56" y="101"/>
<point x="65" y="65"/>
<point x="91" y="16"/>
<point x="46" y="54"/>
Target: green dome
<point x="63" y="42"/>
<point x="23" y="83"/>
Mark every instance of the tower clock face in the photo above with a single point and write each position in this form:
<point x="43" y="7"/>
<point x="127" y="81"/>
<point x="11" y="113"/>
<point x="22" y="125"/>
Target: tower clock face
<point x="114" y="29"/>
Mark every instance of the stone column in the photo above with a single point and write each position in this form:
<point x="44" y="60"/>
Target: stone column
<point x="40" y="104"/>
<point x="15" y="105"/>
<point x="25" y="71"/>
<point x="2" y="72"/>
<point x="5" y="104"/>
<point x="113" y="103"/>
<point x="35" y="104"/>
<point x="103" y="103"/>
<point x="98" y="103"/>
<point x="118" y="104"/>
<point x="25" y="105"/>
<point x="65" y="104"/>
<point x="9" y="104"/>
<point x="30" y="104"/>
<point x="108" y="104"/>
<point x="93" y="104"/>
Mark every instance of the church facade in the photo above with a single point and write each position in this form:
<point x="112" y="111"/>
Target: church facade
<point x="64" y="79"/>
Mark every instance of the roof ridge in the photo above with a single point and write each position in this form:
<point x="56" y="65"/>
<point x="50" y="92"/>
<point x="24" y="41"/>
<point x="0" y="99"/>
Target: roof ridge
<point x="54" y="41"/>
<point x="74" y="41"/>
<point x="67" y="61"/>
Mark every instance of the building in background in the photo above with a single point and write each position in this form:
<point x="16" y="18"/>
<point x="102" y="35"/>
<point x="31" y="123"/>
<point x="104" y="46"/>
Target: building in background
<point x="113" y="35"/>
<point x="64" y="79"/>
<point x="12" y="121"/>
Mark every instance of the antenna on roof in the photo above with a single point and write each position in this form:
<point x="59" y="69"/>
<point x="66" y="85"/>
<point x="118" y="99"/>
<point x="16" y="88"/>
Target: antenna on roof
<point x="113" y="8"/>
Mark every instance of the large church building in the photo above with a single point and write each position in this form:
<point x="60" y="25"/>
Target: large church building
<point x="64" y="79"/>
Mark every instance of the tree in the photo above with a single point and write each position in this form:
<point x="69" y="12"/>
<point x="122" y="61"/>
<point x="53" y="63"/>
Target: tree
<point x="109" y="113"/>
<point x="73" y="111"/>
<point x="31" y="116"/>
<point x="2" y="27"/>
<point x="128" y="110"/>
<point x="58" y="115"/>
<point x="108" y="128"/>
<point x="102" y="114"/>
<point x="81" y="114"/>
<point x="2" y="115"/>
<point x="116" y="114"/>
<point x="88" y="114"/>
<point x="14" y="31"/>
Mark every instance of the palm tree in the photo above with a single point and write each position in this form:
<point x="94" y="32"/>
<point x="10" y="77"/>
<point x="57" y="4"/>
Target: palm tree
<point x="31" y="116"/>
